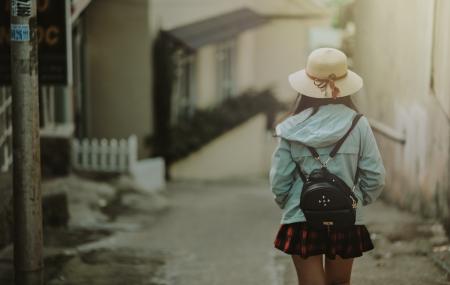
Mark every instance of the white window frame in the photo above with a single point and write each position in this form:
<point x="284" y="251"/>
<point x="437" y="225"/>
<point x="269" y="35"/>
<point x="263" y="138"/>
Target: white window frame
<point x="226" y="62"/>
<point x="56" y="111"/>
<point x="184" y="99"/>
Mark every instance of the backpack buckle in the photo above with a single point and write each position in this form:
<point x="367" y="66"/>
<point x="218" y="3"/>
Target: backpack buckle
<point x="324" y="164"/>
<point x="354" y="202"/>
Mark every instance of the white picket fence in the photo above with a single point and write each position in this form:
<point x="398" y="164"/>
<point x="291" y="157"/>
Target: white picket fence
<point x="6" y="156"/>
<point x="105" y="155"/>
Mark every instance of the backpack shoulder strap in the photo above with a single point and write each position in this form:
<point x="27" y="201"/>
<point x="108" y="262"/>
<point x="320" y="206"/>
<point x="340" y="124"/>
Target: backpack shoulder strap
<point x="355" y="181"/>
<point x="298" y="168"/>
<point x="341" y="141"/>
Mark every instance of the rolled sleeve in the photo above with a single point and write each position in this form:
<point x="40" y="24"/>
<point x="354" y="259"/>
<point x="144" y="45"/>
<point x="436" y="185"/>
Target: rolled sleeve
<point x="282" y="172"/>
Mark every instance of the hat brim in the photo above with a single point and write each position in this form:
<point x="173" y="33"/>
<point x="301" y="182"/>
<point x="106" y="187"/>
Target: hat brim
<point x="303" y="84"/>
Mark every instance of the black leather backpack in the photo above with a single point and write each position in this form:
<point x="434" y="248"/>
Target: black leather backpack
<point x="326" y="200"/>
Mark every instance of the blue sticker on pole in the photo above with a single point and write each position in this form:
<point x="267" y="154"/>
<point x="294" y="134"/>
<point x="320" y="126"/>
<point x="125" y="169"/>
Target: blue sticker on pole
<point x="20" y="32"/>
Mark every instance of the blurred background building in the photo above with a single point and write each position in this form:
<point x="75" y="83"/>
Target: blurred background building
<point x="108" y="105"/>
<point x="106" y="52"/>
<point x="224" y="50"/>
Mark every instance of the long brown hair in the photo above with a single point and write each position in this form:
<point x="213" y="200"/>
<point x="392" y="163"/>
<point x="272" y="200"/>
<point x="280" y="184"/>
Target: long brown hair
<point x="303" y="102"/>
<point x="306" y="102"/>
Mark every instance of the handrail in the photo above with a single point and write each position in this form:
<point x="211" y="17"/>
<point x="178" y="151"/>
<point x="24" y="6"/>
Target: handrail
<point x="387" y="131"/>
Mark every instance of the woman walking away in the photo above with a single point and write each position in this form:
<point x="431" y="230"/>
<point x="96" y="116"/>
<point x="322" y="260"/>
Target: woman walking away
<point x="326" y="167"/>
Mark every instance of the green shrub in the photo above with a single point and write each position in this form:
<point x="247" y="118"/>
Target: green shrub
<point x="205" y="125"/>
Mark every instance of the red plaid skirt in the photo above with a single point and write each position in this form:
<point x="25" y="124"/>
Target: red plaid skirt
<point x="299" y="239"/>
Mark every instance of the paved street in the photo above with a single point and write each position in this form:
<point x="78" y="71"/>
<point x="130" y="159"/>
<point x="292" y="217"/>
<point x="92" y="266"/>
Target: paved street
<point x="222" y="234"/>
<point x="215" y="234"/>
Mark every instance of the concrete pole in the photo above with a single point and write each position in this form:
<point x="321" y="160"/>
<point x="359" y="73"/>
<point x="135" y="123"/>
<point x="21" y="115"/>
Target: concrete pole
<point x="28" y="244"/>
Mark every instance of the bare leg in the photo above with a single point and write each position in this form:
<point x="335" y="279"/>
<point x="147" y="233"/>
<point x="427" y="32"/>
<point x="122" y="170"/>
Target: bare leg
<point x="309" y="270"/>
<point x="338" y="271"/>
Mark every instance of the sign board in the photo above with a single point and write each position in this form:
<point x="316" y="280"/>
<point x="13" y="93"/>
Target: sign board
<point x="54" y="32"/>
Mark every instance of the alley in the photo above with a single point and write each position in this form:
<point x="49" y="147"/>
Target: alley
<point x="217" y="233"/>
<point x="136" y="137"/>
<point x="222" y="233"/>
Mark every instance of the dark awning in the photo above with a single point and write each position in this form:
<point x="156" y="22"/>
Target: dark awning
<point x="216" y="29"/>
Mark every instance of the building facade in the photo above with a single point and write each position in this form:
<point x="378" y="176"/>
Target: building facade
<point x="258" y="57"/>
<point x="118" y="70"/>
<point x="403" y="53"/>
<point x="256" y="46"/>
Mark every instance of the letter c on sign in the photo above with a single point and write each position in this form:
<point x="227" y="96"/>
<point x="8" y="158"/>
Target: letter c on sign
<point x="52" y="36"/>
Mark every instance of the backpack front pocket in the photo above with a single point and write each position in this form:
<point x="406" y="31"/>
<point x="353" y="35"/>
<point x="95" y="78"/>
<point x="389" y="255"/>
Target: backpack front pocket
<point x="332" y="218"/>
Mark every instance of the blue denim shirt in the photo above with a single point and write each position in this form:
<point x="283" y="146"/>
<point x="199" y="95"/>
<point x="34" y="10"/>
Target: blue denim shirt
<point x="322" y="131"/>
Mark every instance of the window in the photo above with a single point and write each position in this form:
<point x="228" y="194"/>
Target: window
<point x="56" y="117"/>
<point x="183" y="102"/>
<point x="226" y="62"/>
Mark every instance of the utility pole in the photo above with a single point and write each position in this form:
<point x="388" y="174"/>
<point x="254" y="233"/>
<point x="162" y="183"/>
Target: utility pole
<point x="28" y="245"/>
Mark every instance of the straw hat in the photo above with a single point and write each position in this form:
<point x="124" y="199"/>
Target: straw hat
<point x="326" y="75"/>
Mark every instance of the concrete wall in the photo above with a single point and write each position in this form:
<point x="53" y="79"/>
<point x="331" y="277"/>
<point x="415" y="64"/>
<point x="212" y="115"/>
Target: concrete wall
<point x="206" y="77"/>
<point x="393" y="54"/>
<point x="119" y="69"/>
<point x="441" y="54"/>
<point x="246" y="48"/>
<point x="282" y="47"/>
<point x="244" y="152"/>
